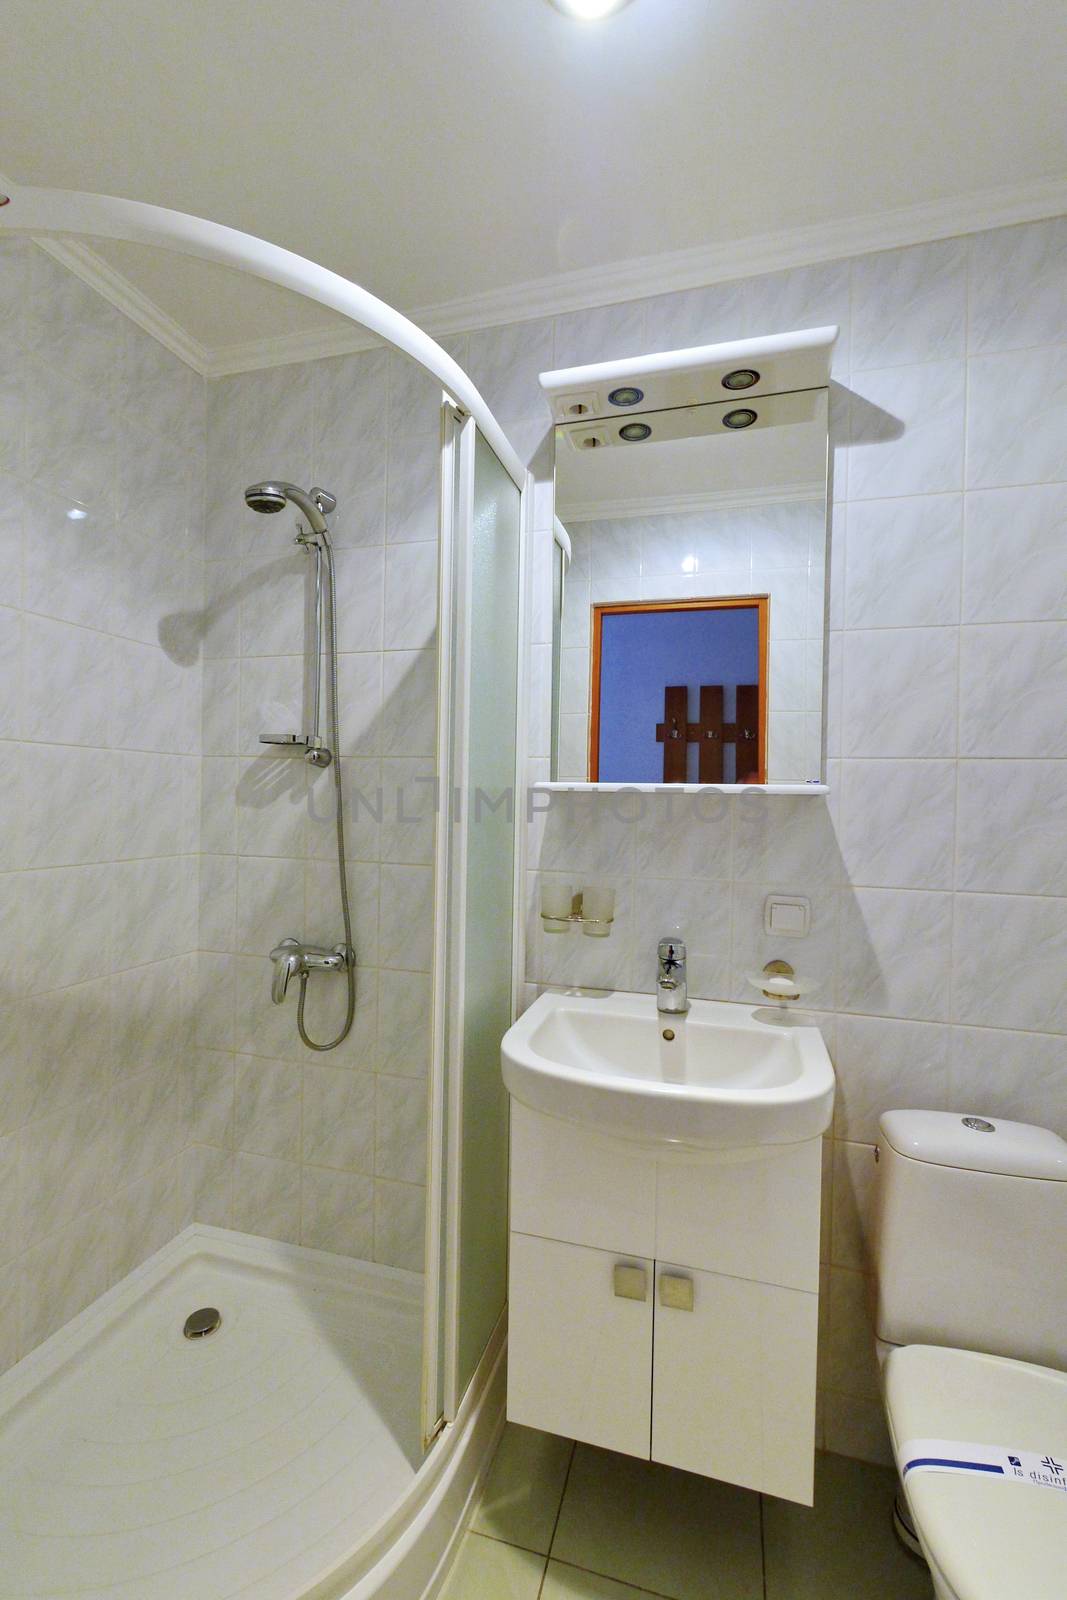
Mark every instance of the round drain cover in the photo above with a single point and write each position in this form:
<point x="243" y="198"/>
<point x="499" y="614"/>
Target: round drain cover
<point x="200" y="1323"/>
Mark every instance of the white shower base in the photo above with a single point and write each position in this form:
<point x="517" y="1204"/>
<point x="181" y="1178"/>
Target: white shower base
<point x="273" y="1459"/>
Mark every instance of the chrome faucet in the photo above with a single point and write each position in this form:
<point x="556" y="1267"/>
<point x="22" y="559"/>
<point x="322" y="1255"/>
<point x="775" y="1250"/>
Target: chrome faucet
<point x="295" y="960"/>
<point x="671" y="993"/>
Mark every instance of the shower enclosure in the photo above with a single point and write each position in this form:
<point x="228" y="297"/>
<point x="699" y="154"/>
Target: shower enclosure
<point x="252" y="1301"/>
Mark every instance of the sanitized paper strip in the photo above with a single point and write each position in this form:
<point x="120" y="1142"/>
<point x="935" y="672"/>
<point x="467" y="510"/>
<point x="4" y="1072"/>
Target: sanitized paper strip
<point x="1048" y="1471"/>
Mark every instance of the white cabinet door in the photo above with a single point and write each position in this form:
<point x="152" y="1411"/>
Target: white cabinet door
<point x="756" y="1216"/>
<point x="580" y="1343"/>
<point x="734" y="1381"/>
<point x="566" y="1183"/>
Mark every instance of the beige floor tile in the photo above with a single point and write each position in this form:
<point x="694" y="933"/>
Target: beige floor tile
<point x="485" y="1569"/>
<point x="844" y="1547"/>
<point x="572" y="1583"/>
<point x="681" y="1536"/>
<point x="525" y="1486"/>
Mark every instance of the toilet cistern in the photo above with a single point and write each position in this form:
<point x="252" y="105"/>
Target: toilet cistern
<point x="672" y="997"/>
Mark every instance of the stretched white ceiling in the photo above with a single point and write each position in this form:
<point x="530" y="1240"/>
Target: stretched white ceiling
<point x="442" y="151"/>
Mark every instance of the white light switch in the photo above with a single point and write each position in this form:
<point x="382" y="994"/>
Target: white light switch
<point x="788" y="915"/>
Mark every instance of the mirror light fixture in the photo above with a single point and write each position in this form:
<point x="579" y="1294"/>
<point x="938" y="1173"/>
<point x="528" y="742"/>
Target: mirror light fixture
<point x="589" y="10"/>
<point x="741" y="378"/>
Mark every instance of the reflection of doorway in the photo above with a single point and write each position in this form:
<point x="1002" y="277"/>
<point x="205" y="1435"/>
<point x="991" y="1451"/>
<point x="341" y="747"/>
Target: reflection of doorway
<point x="640" y="649"/>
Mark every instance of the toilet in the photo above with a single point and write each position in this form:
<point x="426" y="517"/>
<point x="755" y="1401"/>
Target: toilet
<point x="970" y="1256"/>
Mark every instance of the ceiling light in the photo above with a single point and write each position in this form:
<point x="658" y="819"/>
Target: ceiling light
<point x="626" y="396"/>
<point x="741" y="418"/>
<point x="635" y="431"/>
<point x="589" y="10"/>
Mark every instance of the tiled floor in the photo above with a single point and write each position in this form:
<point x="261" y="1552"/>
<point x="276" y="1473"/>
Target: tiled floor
<point x="567" y="1522"/>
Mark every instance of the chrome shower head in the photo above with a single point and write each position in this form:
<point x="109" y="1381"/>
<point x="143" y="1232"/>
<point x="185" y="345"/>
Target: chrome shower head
<point x="271" y="497"/>
<point x="267" y="497"/>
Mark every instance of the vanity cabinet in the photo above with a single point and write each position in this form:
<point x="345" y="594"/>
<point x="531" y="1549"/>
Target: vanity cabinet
<point x="665" y="1305"/>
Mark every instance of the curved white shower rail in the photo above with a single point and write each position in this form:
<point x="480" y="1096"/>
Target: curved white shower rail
<point x="68" y="211"/>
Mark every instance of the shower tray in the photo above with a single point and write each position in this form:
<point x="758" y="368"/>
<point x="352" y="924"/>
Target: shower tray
<point x="137" y="1461"/>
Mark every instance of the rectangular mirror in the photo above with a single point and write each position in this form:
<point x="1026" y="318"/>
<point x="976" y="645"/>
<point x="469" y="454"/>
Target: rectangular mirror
<point x="690" y="642"/>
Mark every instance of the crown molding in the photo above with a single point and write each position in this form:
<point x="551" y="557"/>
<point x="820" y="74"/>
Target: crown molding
<point x="590" y="287"/>
<point x="751" y="257"/>
<point x="115" y="287"/>
<point x="251" y="355"/>
<point x="637" y="279"/>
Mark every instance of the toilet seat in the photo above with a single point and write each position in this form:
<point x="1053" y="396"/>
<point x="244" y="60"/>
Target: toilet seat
<point x="986" y="1539"/>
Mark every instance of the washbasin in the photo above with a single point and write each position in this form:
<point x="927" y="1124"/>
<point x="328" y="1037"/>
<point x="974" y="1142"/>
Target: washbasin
<point x="721" y="1076"/>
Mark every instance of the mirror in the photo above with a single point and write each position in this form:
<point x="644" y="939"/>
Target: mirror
<point x="689" y="642"/>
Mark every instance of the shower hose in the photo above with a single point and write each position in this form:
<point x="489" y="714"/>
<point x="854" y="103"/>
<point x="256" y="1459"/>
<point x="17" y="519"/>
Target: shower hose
<point x="339" y="816"/>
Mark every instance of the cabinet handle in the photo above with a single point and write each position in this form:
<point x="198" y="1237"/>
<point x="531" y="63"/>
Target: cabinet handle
<point x="630" y="1283"/>
<point x="675" y="1291"/>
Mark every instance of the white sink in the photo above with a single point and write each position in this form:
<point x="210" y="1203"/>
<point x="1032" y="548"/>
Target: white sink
<point x="731" y="1076"/>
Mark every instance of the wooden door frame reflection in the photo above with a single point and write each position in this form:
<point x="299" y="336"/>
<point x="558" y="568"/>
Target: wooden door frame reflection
<point x="758" y="602"/>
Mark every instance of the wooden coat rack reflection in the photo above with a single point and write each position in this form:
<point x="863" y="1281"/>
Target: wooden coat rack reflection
<point x="676" y="733"/>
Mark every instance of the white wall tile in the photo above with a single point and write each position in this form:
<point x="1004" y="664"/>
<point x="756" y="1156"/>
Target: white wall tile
<point x="69" y="677"/>
<point x="410" y="598"/>
<point x="909" y="305"/>
<point x="684" y="835"/>
<point x="903" y="562"/>
<point x="696" y="912"/>
<point x="996" y="1073"/>
<point x="695" y="316"/>
<point x="404" y="1023"/>
<point x="1013" y="683"/>
<point x="338" y="1212"/>
<point x="900" y="692"/>
<point x="1014" y="565"/>
<point x="399" y="1224"/>
<point x="1017" y="418"/>
<point x="266" y="1197"/>
<point x="1008" y="962"/>
<point x="895" y="953"/>
<point x="1019" y="286"/>
<point x="400" y="1129"/>
<point x="896" y="823"/>
<point x="884" y="1064"/>
<point x="608" y="333"/>
<point x="1012" y="827"/>
<point x="906" y="431"/>
<point x="409" y="703"/>
<point x="339" y="1118"/>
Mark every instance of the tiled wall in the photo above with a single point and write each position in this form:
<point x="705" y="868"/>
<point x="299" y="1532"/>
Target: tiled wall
<point x="325" y="1150"/>
<point x="937" y="866"/>
<point x="101" y="496"/>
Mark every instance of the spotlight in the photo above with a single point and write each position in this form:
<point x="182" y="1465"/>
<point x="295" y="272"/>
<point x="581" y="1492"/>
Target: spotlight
<point x="740" y="378"/>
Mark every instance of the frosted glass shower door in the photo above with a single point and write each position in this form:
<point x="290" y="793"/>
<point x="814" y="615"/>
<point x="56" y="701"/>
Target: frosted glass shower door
<point x="475" y="977"/>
